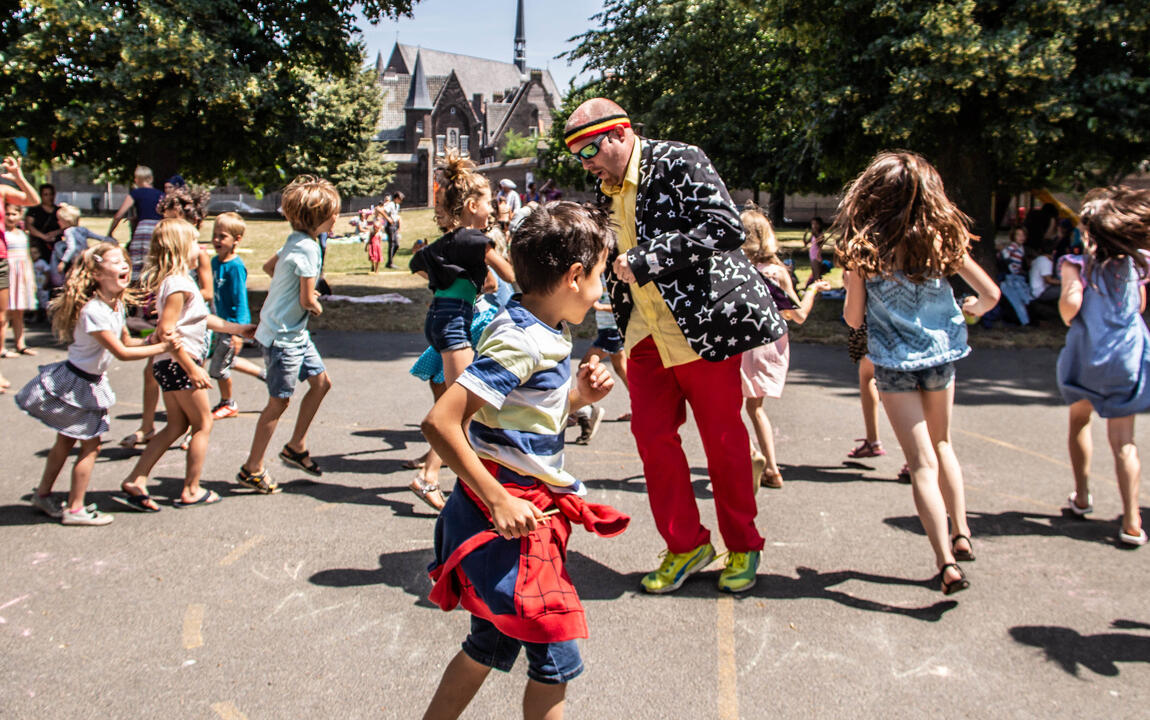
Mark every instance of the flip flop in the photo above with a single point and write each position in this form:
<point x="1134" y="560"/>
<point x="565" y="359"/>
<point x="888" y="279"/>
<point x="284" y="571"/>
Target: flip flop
<point x="26" y="351"/>
<point x="7" y="354"/>
<point x="137" y="502"/>
<point x="423" y="490"/>
<point x="210" y="497"/>
<point x="136" y="438"/>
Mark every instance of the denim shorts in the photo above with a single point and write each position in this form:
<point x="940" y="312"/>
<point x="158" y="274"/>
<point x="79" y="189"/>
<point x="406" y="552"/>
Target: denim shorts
<point x="549" y="663"/>
<point x="608" y="340"/>
<point x="929" y="379"/>
<point x="287" y="365"/>
<point x="223" y="357"/>
<point x="448" y="324"/>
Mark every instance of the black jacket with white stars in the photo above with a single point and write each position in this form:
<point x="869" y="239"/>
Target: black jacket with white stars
<point x="688" y="243"/>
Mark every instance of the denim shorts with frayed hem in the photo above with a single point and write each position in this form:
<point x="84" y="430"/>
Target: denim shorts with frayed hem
<point x="608" y="340"/>
<point x="548" y="663"/>
<point x="448" y="324"/>
<point x="288" y="364"/>
<point x="930" y="379"/>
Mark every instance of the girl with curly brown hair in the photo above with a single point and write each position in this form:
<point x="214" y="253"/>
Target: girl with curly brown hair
<point x="900" y="237"/>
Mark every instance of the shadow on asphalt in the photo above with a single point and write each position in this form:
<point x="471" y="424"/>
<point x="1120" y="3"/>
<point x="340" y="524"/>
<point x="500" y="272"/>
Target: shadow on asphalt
<point x="1099" y="653"/>
<point x="1014" y="523"/>
<point x="848" y="471"/>
<point x="332" y="493"/>
<point x="406" y="570"/>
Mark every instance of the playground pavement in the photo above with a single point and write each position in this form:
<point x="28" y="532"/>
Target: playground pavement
<point x="313" y="602"/>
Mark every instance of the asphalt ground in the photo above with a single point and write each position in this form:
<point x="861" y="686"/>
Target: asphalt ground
<point x="312" y="603"/>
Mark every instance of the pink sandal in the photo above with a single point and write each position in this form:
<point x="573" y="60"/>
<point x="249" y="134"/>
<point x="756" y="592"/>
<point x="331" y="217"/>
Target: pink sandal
<point x="867" y="449"/>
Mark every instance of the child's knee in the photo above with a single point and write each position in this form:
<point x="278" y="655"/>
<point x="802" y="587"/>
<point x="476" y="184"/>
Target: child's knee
<point x="321" y="383"/>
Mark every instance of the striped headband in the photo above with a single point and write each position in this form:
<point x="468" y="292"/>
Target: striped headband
<point x="595" y="127"/>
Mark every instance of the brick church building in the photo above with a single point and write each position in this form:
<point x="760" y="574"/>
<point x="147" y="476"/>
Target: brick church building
<point x="438" y="101"/>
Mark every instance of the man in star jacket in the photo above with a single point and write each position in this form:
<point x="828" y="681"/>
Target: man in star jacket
<point x="688" y="303"/>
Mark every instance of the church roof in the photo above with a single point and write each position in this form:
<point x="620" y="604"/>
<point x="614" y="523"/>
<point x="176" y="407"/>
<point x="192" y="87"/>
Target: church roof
<point x="476" y="75"/>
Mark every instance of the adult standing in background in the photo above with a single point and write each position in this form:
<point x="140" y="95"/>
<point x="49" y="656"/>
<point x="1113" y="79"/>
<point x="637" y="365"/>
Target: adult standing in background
<point x="144" y="198"/>
<point x="23" y="194"/>
<point x="688" y="303"/>
<point x="40" y="222"/>
<point x="391" y="215"/>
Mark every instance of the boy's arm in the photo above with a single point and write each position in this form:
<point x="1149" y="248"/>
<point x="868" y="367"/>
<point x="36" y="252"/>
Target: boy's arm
<point x="227" y="327"/>
<point x="592" y="383"/>
<point x="444" y="429"/>
<point x="270" y="265"/>
<point x="308" y="297"/>
<point x="204" y="278"/>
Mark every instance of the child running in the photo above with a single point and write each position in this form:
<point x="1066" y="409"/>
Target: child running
<point x="73" y="397"/>
<point x="311" y="205"/>
<point x="813" y="241"/>
<point x="175" y="251"/>
<point x="900" y="237"/>
<point x="501" y="540"/>
<point x="1105" y="365"/>
<point x="231" y="300"/>
<point x="764" y="369"/>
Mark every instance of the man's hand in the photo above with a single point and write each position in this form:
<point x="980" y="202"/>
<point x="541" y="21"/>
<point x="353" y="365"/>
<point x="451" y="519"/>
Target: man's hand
<point x="515" y="517"/>
<point x="622" y="269"/>
<point x="593" y="381"/>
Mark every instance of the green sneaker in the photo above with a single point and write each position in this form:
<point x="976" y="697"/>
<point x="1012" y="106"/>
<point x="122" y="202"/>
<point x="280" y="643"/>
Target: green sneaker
<point x="676" y="567"/>
<point x="739" y="574"/>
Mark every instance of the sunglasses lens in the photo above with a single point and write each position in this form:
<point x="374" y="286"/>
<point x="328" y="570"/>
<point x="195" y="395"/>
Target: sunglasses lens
<point x="589" y="151"/>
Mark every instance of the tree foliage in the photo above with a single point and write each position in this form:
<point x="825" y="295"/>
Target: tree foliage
<point x="214" y="88"/>
<point x="517" y="146"/>
<point x="999" y="94"/>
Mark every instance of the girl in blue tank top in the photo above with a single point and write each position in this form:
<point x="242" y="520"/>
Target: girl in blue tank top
<point x="899" y="239"/>
<point x="1105" y="366"/>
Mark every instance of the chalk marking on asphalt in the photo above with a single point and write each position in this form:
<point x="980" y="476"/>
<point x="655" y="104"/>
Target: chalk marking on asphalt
<point x="728" y="670"/>
<point x="228" y="711"/>
<point x="12" y="602"/>
<point x="240" y="550"/>
<point x="193" y="626"/>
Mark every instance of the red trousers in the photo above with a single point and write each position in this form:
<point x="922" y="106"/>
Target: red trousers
<point x="659" y="398"/>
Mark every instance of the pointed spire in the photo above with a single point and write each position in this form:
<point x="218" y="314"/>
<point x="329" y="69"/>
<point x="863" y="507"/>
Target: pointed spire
<point x="418" y="98"/>
<point x="520" y="41"/>
<point x="379" y="66"/>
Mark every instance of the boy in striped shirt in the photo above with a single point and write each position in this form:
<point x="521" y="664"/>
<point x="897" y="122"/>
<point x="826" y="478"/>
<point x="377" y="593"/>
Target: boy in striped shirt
<point x="501" y="539"/>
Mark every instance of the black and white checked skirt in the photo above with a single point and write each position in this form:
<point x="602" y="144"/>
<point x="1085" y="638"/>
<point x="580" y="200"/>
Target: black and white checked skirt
<point x="71" y="405"/>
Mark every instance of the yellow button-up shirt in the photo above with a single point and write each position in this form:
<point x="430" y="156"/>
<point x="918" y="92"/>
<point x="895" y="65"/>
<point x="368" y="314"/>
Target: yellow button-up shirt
<point x="651" y="316"/>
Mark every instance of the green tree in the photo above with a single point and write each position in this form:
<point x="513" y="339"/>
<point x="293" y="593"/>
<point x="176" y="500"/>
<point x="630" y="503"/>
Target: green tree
<point x="517" y="146"/>
<point x="1000" y="95"/>
<point x="555" y="161"/>
<point x="215" y="88"/>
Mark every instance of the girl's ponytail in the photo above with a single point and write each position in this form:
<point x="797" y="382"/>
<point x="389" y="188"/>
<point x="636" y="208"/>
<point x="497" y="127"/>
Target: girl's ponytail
<point x="460" y="184"/>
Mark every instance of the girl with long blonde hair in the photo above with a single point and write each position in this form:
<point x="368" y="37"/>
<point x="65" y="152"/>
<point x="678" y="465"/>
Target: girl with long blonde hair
<point x="174" y="253"/>
<point x="73" y="397"/>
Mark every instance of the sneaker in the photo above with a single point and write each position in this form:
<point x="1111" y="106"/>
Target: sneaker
<point x="85" y="517"/>
<point x="47" y="504"/>
<point x="226" y="409"/>
<point x="593" y="423"/>
<point x="676" y="568"/>
<point x="50" y="507"/>
<point x="584" y="436"/>
<point x="867" y="449"/>
<point x="1072" y="505"/>
<point x="739" y="574"/>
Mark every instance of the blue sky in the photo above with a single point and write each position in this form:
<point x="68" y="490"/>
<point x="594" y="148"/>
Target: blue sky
<point x="487" y="29"/>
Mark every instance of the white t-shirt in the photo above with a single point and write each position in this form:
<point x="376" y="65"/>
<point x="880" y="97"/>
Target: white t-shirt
<point x="1039" y="268"/>
<point x="192" y="325"/>
<point x="86" y="352"/>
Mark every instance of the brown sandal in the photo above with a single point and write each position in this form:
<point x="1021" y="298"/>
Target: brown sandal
<point x="428" y="493"/>
<point x="774" y="481"/>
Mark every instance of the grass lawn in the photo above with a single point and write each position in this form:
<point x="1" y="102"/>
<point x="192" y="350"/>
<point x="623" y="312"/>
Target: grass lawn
<point x="348" y="272"/>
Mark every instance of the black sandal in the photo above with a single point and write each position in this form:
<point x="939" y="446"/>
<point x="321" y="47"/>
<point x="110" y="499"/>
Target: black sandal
<point x="301" y="460"/>
<point x="949" y="588"/>
<point x="963" y="555"/>
<point x="258" y="481"/>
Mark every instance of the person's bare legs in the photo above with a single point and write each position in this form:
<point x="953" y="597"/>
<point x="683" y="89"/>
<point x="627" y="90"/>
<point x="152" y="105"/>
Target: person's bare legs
<point x="195" y="405"/>
<point x="868" y="395"/>
<point x="265" y="429"/>
<point x="763" y="432"/>
<point x="3" y="319"/>
<point x="16" y="318"/>
<point x="619" y="363"/>
<point x="225" y="388"/>
<point x="1128" y="467"/>
<point x="147" y="427"/>
<point x="937" y="408"/>
<point x="1081" y="447"/>
<point x="432" y="463"/>
<point x="82" y="473"/>
<point x="168" y="435"/>
<point x="455" y="362"/>
<point x="57" y="456"/>
<point x="461" y="679"/>
<point x="543" y="701"/>
<point x="247" y="367"/>
<point x="905" y="412"/>
<point x="318" y="387"/>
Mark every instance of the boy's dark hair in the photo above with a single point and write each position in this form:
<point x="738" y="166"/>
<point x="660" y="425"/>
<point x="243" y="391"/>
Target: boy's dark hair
<point x="554" y="237"/>
<point x="47" y="186"/>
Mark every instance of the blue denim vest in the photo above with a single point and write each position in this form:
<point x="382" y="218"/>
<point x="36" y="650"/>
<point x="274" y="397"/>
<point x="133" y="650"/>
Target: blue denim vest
<point x="912" y="326"/>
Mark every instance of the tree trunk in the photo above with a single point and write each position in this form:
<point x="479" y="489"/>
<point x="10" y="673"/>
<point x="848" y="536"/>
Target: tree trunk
<point x="969" y="180"/>
<point x="778" y="204"/>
